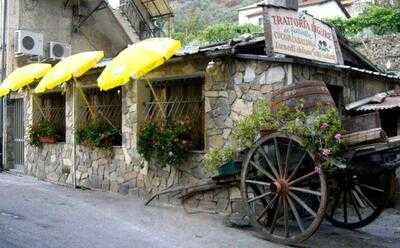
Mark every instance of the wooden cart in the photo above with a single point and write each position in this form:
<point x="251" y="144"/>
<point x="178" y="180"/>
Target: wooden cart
<point x="285" y="190"/>
<point x="288" y="195"/>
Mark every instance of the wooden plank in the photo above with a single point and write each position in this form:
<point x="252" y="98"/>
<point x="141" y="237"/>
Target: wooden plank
<point x="365" y="137"/>
<point x="362" y="122"/>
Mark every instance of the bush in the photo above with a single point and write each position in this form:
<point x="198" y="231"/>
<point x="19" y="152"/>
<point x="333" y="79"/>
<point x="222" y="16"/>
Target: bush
<point x="97" y="134"/>
<point x="167" y="144"/>
<point x="321" y="131"/>
<point x="381" y="19"/>
<point x="43" y="129"/>
<point x="215" y="33"/>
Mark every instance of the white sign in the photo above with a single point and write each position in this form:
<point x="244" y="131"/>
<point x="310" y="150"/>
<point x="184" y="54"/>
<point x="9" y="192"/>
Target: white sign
<point x="300" y="35"/>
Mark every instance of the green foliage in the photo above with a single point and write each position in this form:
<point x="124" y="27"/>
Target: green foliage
<point x="167" y="144"/>
<point x="97" y="134"/>
<point x="43" y="129"/>
<point x="219" y="32"/>
<point x="381" y="19"/>
<point x="321" y="131"/>
<point x="216" y="157"/>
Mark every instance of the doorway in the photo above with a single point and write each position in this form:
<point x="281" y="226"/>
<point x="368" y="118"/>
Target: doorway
<point x="18" y="133"/>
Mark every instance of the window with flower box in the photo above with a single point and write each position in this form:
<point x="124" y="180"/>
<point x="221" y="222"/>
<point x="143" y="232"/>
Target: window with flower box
<point x="101" y="110"/>
<point x="179" y="101"/>
<point x="50" y="108"/>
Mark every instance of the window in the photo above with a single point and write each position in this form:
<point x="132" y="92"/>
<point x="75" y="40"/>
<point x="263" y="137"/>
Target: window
<point x="261" y="21"/>
<point x="51" y="107"/>
<point x="389" y="122"/>
<point x="181" y="101"/>
<point x="337" y="95"/>
<point x="102" y="106"/>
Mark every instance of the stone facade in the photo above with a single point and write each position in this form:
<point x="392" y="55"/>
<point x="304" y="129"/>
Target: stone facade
<point x="383" y="51"/>
<point x="231" y="87"/>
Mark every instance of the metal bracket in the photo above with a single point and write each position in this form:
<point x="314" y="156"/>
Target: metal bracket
<point x="82" y="19"/>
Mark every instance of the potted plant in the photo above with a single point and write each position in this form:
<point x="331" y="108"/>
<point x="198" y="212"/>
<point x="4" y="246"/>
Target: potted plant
<point x="166" y="143"/>
<point x="44" y="132"/>
<point x="97" y="134"/>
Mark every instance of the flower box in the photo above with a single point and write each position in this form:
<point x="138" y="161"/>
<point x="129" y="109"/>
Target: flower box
<point x="230" y="168"/>
<point x="266" y="132"/>
<point x="47" y="140"/>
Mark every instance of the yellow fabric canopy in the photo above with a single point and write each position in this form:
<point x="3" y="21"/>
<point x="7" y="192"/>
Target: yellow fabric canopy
<point x="136" y="61"/>
<point x="73" y="66"/>
<point x="4" y="91"/>
<point x="26" y="75"/>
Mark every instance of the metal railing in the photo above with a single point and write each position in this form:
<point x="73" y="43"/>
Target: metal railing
<point x="54" y="114"/>
<point x="136" y="19"/>
<point x="110" y="114"/>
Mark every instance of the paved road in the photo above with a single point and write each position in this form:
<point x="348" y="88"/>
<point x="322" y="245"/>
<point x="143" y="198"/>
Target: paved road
<point x="36" y="214"/>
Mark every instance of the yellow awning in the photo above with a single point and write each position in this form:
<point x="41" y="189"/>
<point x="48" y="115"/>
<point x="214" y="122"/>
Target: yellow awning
<point x="4" y="91"/>
<point x="26" y="75"/>
<point x="73" y="66"/>
<point x="136" y="61"/>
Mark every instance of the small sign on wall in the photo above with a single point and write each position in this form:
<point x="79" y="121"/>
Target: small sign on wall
<point x="299" y="34"/>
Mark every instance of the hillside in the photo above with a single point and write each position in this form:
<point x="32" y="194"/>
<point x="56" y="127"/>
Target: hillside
<point x="208" y="11"/>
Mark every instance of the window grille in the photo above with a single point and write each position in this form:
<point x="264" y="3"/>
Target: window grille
<point x="104" y="106"/>
<point x="51" y="107"/>
<point x="180" y="101"/>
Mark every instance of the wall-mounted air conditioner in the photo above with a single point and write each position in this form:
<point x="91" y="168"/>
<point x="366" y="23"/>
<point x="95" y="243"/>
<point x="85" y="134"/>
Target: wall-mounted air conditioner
<point x="28" y="43"/>
<point x="59" y="50"/>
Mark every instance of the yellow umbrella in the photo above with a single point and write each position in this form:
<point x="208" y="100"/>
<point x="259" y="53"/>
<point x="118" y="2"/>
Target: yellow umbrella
<point x="4" y="90"/>
<point x="26" y="75"/>
<point x="68" y="68"/>
<point x="136" y="61"/>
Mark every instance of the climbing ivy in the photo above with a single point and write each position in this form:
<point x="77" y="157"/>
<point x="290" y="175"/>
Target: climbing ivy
<point x="380" y="19"/>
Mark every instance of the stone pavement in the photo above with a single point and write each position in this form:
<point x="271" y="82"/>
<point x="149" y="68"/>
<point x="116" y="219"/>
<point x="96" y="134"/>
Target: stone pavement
<point x="37" y="214"/>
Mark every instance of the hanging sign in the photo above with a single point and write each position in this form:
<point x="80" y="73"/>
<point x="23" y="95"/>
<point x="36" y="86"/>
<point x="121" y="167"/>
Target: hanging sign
<point x="299" y="34"/>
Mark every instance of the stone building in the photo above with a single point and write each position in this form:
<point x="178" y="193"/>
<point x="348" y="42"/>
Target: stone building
<point x="227" y="79"/>
<point x="218" y="84"/>
<point x="76" y="26"/>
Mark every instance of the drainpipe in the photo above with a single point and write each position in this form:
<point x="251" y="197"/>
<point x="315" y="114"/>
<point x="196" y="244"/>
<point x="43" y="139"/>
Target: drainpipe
<point x="3" y="74"/>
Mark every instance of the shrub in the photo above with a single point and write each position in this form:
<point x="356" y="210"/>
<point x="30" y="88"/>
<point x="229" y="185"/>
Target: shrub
<point x="381" y="19"/>
<point x="97" y="134"/>
<point x="42" y="129"/>
<point x="215" y="33"/>
<point x="321" y="131"/>
<point x="166" y="144"/>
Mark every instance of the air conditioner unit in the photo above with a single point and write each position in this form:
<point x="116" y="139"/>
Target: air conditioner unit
<point x="28" y="43"/>
<point x="59" y="50"/>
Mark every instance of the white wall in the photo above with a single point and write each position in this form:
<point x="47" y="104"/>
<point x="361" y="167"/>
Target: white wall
<point x="321" y="11"/>
<point x="252" y="16"/>
<point x="326" y="10"/>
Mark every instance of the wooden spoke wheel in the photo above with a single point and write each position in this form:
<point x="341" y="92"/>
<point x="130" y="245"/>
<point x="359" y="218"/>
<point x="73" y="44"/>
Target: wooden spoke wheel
<point x="357" y="199"/>
<point x="284" y="189"/>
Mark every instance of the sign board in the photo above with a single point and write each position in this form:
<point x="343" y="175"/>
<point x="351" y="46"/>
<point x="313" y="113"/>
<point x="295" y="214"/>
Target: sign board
<point x="299" y="34"/>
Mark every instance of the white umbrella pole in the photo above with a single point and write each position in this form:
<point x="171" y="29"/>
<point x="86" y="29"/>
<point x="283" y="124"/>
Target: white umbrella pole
<point x="73" y="137"/>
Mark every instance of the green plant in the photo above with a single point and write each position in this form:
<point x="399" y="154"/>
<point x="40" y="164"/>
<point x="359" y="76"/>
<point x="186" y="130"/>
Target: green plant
<point x="216" y="157"/>
<point x="380" y="19"/>
<point x="320" y="129"/>
<point x="97" y="134"/>
<point x="42" y="129"/>
<point x="167" y="144"/>
<point x="215" y="33"/>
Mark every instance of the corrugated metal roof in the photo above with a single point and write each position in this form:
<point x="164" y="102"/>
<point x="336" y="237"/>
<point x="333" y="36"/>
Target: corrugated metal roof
<point x="389" y="102"/>
<point x="380" y="101"/>
<point x="157" y="8"/>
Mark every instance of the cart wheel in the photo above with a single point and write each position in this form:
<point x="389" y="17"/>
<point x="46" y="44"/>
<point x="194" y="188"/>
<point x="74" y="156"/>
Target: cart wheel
<point x="357" y="199"/>
<point x="284" y="189"/>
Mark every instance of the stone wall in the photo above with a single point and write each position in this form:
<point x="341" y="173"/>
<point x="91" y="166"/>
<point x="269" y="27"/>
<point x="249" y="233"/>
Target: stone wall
<point x="382" y="49"/>
<point x="231" y="87"/>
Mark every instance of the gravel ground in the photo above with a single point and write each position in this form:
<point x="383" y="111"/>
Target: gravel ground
<point x="36" y="214"/>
